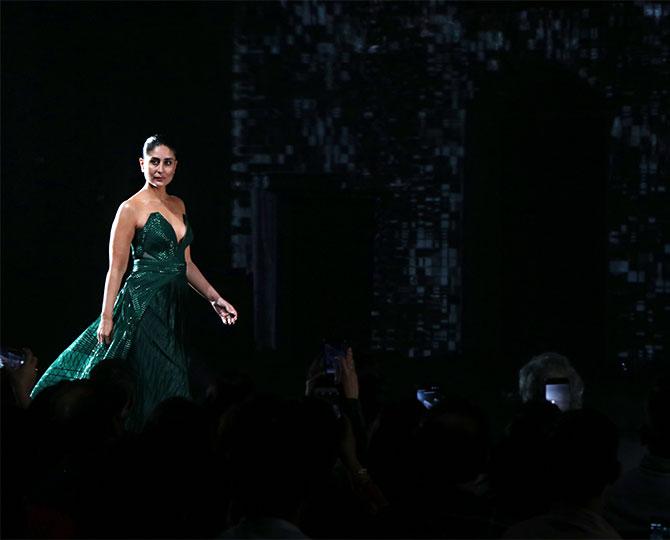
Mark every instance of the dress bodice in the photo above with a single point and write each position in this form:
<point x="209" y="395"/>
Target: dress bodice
<point x="158" y="241"/>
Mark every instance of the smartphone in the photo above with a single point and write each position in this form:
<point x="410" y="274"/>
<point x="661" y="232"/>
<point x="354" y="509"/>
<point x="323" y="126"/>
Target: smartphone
<point x="557" y="391"/>
<point x="429" y="396"/>
<point x="12" y="358"/>
<point x="330" y="356"/>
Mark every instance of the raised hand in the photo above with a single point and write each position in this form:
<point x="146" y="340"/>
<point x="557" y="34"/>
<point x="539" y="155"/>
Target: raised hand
<point x="348" y="376"/>
<point x="24" y="377"/>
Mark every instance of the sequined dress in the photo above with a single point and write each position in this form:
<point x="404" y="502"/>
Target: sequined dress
<point x="147" y="317"/>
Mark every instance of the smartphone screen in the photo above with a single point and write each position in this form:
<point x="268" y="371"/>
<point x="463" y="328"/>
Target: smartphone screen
<point x="13" y="359"/>
<point x="557" y="391"/>
<point x="330" y="356"/>
<point x="429" y="396"/>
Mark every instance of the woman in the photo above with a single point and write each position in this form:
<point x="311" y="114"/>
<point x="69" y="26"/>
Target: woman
<point x="142" y="322"/>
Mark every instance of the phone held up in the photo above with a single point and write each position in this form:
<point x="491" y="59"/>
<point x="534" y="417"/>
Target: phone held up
<point x="557" y="391"/>
<point x="12" y="358"/>
<point x="429" y="395"/>
<point x="330" y="360"/>
<point x="327" y="390"/>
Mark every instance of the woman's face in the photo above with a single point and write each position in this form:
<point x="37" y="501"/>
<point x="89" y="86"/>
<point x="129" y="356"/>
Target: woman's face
<point x="159" y="166"/>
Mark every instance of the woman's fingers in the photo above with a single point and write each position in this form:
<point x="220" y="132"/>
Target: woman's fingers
<point x="104" y="333"/>
<point x="226" y="311"/>
<point x="230" y="316"/>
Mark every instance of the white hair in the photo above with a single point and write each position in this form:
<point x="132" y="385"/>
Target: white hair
<point x="549" y="365"/>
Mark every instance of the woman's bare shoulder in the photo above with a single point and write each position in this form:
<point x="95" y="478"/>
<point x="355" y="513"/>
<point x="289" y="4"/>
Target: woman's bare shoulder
<point x="132" y="209"/>
<point x="130" y="205"/>
<point x="138" y="199"/>
<point x="140" y="203"/>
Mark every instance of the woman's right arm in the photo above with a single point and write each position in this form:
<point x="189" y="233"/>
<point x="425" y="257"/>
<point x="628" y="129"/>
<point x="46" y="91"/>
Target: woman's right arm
<point x="123" y="230"/>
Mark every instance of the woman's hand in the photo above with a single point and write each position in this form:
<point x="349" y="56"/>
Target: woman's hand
<point x="225" y="310"/>
<point x="105" y="330"/>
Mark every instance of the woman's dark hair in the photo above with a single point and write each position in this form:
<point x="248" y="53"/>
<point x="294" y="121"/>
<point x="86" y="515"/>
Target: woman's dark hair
<point x="158" y="139"/>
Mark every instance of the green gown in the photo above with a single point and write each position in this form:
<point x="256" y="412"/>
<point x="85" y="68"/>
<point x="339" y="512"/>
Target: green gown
<point x="147" y="330"/>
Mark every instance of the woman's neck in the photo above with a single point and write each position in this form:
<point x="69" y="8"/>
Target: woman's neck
<point x="159" y="193"/>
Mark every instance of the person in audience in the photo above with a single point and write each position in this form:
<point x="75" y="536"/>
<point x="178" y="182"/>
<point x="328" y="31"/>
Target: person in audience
<point x="116" y="381"/>
<point x="543" y="368"/>
<point x="517" y="465"/>
<point x="640" y="500"/>
<point x="22" y="379"/>
<point x="274" y="461"/>
<point x="71" y="429"/>
<point x="227" y="390"/>
<point x="445" y="494"/>
<point x="581" y="461"/>
<point x="180" y="495"/>
<point x="346" y="503"/>
<point x="341" y="390"/>
<point x="15" y="386"/>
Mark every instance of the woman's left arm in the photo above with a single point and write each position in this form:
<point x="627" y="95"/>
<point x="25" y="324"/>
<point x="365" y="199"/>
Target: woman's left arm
<point x="224" y="309"/>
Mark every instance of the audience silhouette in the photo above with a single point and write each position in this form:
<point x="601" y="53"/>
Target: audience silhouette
<point x="335" y="463"/>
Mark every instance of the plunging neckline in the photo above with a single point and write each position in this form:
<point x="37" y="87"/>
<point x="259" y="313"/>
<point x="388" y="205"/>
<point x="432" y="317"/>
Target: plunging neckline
<point x="183" y="216"/>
